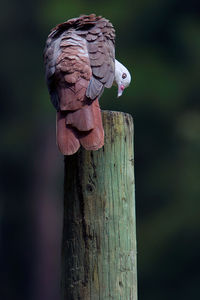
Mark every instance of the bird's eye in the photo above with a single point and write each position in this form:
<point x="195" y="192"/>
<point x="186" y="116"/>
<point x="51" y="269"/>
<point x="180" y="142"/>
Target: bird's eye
<point x="124" y="75"/>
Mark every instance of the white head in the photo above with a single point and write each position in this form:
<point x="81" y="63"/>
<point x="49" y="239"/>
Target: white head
<point x="122" y="77"/>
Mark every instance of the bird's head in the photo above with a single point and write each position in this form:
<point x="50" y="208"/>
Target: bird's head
<point x="122" y="77"/>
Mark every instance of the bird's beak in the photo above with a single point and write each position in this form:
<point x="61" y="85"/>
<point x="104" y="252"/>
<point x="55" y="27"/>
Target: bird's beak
<point x="120" y="90"/>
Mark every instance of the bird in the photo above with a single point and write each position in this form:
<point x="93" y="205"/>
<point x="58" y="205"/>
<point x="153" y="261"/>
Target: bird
<point x="79" y="60"/>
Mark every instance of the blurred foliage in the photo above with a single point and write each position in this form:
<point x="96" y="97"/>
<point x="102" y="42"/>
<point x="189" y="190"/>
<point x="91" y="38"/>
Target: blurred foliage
<point x="159" y="42"/>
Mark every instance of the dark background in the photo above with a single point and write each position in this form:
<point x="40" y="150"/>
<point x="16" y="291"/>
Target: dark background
<point x="159" y="42"/>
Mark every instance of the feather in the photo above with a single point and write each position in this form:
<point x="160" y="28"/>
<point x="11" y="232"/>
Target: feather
<point x="95" y="139"/>
<point x="91" y="37"/>
<point x="82" y="119"/>
<point x="95" y="89"/>
<point x="95" y="30"/>
<point x="97" y="62"/>
<point x="67" y="141"/>
<point x="100" y="71"/>
<point x="95" y="55"/>
<point x="92" y="48"/>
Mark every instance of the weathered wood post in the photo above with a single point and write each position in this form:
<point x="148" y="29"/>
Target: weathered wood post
<point x="99" y="236"/>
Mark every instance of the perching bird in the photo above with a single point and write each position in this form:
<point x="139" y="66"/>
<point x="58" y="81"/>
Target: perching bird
<point x="80" y="62"/>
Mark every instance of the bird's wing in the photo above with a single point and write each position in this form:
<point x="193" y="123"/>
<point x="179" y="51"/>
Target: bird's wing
<point x="51" y="52"/>
<point x="101" y="49"/>
<point x="99" y="35"/>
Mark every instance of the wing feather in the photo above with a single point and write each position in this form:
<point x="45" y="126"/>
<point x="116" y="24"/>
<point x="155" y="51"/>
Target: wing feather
<point x="99" y="35"/>
<point x="102" y="55"/>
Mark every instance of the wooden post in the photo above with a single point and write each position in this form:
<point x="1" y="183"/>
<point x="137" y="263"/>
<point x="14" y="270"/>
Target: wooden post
<point x="99" y="236"/>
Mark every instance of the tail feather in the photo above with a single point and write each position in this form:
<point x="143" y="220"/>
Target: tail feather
<point x="67" y="141"/>
<point x="94" y="140"/>
<point x="83" y="126"/>
<point x="81" y="119"/>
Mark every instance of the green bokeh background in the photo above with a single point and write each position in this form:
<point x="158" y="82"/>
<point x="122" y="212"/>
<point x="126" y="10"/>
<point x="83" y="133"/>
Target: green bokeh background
<point x="159" y="42"/>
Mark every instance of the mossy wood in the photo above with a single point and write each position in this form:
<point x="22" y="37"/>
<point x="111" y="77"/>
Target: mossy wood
<point x="99" y="239"/>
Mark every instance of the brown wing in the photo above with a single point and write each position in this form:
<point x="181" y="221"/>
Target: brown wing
<point x="68" y="70"/>
<point x="100" y="42"/>
<point x="51" y="53"/>
<point x="99" y="35"/>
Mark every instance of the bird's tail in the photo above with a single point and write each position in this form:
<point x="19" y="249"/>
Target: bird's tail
<point x="81" y="127"/>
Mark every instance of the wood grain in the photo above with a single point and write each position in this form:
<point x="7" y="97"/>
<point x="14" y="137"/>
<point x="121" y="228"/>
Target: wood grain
<point x="99" y="235"/>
